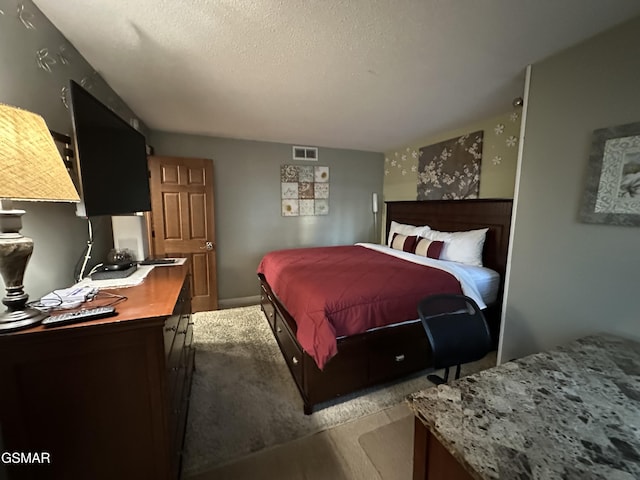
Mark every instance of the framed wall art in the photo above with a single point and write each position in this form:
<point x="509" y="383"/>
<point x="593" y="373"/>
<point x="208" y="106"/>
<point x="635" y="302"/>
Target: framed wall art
<point x="612" y="191"/>
<point x="304" y="190"/>
<point x="450" y="170"/>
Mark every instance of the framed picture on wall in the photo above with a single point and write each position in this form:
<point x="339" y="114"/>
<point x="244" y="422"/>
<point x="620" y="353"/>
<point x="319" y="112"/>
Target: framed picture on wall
<point x="450" y="170"/>
<point x="304" y="190"/>
<point x="612" y="191"/>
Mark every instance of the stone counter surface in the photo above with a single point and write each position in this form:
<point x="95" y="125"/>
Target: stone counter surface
<point x="569" y="413"/>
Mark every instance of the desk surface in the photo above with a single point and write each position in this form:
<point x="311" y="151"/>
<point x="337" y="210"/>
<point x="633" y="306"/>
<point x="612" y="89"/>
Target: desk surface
<point x="571" y="412"/>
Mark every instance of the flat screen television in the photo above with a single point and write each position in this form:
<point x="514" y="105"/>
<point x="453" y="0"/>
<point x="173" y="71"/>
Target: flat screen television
<point x="111" y="159"/>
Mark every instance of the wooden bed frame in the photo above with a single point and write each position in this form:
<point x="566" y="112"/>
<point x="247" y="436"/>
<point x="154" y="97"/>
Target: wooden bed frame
<point x="387" y="354"/>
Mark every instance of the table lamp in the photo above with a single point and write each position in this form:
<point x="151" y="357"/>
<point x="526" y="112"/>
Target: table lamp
<point x="31" y="169"/>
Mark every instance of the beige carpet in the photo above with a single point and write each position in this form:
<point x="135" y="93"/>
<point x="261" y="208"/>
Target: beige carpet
<point x="244" y="399"/>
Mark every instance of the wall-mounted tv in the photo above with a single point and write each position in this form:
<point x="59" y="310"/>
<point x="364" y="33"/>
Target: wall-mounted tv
<point x="111" y="159"/>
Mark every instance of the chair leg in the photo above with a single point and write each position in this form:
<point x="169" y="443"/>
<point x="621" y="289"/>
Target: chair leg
<point x="435" y="379"/>
<point x="457" y="372"/>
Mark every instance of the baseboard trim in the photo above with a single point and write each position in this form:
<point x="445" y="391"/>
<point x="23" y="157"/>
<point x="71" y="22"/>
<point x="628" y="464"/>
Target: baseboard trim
<point x="238" y="302"/>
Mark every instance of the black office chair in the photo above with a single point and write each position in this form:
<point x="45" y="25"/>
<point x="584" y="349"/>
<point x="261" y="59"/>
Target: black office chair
<point x="457" y="331"/>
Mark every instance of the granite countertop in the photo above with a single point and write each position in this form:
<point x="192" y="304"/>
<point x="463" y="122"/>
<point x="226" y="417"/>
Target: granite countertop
<point x="569" y="413"/>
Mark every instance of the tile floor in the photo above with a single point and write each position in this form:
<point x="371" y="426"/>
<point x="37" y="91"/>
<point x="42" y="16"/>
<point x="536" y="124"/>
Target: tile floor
<point x="368" y="448"/>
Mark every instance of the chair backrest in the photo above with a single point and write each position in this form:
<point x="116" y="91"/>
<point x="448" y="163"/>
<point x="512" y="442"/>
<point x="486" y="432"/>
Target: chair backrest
<point x="456" y="328"/>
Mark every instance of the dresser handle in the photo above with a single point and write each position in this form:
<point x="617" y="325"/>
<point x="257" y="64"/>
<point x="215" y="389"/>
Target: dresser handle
<point x="182" y="332"/>
<point x="279" y="330"/>
<point x="171" y="329"/>
<point x="294" y="360"/>
<point x="399" y="358"/>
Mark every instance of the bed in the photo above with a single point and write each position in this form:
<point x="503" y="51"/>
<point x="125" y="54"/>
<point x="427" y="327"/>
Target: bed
<point x="387" y="352"/>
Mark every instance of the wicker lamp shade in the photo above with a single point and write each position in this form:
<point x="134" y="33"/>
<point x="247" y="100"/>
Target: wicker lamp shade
<point x="30" y="165"/>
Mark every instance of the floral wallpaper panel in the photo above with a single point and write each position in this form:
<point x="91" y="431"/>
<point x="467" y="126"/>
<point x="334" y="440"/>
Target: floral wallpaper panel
<point x="499" y="152"/>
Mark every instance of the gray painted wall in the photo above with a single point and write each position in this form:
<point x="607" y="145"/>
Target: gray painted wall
<point x="59" y="236"/>
<point x="247" y="201"/>
<point x="569" y="279"/>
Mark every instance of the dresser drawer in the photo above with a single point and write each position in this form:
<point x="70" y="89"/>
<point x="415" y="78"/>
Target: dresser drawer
<point x="175" y="360"/>
<point x="169" y="332"/>
<point x="183" y="305"/>
<point x="180" y="394"/>
<point x="180" y="412"/>
<point x="176" y="399"/>
<point x="188" y="339"/>
<point x="178" y="342"/>
<point x="290" y="350"/>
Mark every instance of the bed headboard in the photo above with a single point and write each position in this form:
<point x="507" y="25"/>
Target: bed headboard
<point x="461" y="215"/>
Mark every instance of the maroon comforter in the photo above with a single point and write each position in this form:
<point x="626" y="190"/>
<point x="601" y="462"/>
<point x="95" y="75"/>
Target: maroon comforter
<point x="339" y="291"/>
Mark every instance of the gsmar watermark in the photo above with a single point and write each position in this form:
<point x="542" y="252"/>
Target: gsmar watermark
<point x="25" y="457"/>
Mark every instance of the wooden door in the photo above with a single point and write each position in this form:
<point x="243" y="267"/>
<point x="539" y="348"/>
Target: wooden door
<point x="183" y="221"/>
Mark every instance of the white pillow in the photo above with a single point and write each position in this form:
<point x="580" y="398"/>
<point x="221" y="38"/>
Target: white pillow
<point x="462" y="247"/>
<point x="404" y="229"/>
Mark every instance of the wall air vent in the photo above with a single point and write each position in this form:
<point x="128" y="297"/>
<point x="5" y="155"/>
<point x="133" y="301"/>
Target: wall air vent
<point x="305" y="153"/>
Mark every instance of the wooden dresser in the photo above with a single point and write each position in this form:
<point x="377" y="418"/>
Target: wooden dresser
<point x="107" y="398"/>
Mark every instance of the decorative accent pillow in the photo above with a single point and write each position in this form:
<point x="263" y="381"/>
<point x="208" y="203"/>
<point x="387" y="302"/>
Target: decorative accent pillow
<point x="404" y="242"/>
<point x="405" y="229"/>
<point x="429" y="248"/>
<point x="462" y="247"/>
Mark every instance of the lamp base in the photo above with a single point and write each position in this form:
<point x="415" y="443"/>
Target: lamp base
<point x="15" y="251"/>
<point x="19" y="319"/>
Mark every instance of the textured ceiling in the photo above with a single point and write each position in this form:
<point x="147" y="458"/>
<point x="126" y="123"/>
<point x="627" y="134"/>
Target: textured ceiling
<point x="361" y="74"/>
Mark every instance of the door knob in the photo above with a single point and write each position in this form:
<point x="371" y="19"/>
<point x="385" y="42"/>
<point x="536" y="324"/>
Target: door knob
<point x="207" y="246"/>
